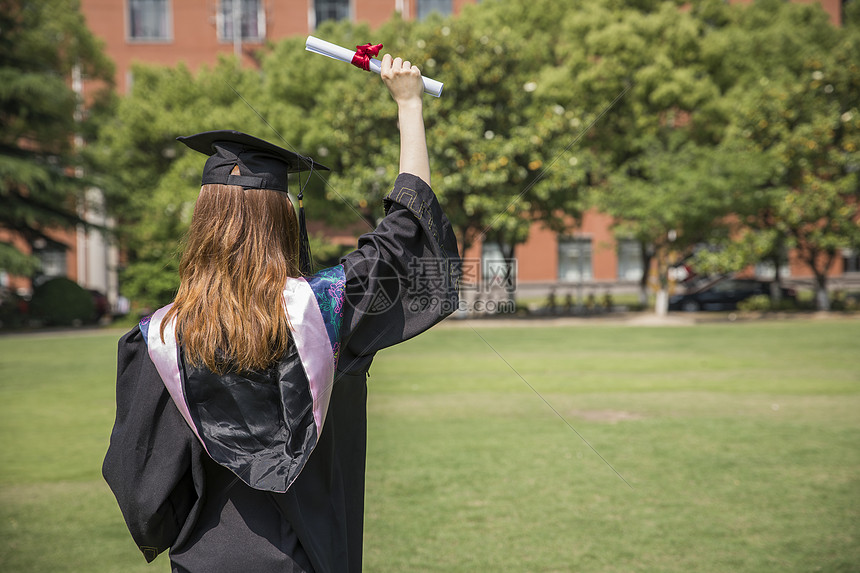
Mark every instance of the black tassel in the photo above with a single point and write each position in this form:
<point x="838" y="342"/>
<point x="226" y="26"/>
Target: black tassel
<point x="305" y="259"/>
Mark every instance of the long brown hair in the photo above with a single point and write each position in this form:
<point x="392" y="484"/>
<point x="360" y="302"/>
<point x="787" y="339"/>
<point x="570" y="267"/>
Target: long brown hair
<point x="241" y="248"/>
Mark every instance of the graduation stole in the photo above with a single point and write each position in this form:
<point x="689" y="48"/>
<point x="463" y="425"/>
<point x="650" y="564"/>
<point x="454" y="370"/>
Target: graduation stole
<point x="314" y="306"/>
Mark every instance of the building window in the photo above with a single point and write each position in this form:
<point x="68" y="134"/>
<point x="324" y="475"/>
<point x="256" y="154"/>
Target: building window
<point x="850" y="261"/>
<point x="52" y="261"/>
<point x="426" y="7"/>
<point x="251" y="14"/>
<point x="149" y="20"/>
<point x="574" y="259"/>
<point x="330" y="10"/>
<point x="767" y="270"/>
<point x="630" y="267"/>
<point x="497" y="272"/>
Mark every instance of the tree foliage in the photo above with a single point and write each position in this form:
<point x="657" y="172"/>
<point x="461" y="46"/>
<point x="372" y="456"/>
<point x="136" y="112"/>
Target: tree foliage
<point x="486" y="141"/>
<point x="484" y="149"/>
<point x="640" y="77"/>
<point x="690" y="124"/>
<point x="796" y="111"/>
<point x="41" y="43"/>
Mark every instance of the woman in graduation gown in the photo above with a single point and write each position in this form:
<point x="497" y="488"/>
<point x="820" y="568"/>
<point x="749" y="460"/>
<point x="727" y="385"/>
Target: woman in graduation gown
<point x="240" y="434"/>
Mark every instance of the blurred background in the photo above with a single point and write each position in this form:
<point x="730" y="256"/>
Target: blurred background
<point x="592" y="156"/>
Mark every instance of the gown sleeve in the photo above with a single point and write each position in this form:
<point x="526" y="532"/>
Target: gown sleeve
<point x="402" y="279"/>
<point x="154" y="462"/>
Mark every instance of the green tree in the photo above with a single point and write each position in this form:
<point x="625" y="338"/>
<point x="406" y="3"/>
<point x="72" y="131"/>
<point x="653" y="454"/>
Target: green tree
<point x="492" y="141"/>
<point x="642" y="66"/>
<point x="487" y="148"/>
<point x="42" y="43"/>
<point x="798" y="111"/>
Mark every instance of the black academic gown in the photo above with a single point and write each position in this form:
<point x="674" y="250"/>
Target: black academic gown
<point x="401" y="280"/>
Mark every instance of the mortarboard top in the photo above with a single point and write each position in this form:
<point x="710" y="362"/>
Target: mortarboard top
<point x="262" y="165"/>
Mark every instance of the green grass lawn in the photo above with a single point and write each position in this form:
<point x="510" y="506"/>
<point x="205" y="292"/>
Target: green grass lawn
<point x="740" y="444"/>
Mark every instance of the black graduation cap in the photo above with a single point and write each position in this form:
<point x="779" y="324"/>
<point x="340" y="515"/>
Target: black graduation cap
<point x="262" y="165"/>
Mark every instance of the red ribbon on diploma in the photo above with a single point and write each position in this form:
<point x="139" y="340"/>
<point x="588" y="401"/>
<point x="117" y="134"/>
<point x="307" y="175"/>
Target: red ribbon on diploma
<point x="362" y="56"/>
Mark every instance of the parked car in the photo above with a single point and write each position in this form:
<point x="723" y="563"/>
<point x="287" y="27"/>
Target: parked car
<point x="101" y="306"/>
<point x="724" y="294"/>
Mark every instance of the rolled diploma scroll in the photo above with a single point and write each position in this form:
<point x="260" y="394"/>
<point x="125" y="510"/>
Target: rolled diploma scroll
<point x="336" y="52"/>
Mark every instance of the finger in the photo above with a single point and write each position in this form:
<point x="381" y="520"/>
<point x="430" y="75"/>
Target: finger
<point x="386" y="62"/>
<point x="397" y="64"/>
<point x="407" y="65"/>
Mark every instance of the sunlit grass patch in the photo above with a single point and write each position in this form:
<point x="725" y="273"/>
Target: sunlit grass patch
<point x="703" y="448"/>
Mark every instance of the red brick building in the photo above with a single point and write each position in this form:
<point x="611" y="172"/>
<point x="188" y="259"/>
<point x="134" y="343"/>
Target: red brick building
<point x="196" y="31"/>
<point x="588" y="258"/>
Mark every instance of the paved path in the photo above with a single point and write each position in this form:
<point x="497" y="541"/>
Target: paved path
<point x="615" y="318"/>
<point x="645" y="319"/>
<point x="83" y="331"/>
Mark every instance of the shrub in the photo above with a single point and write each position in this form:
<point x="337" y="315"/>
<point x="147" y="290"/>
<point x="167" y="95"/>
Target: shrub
<point x="785" y="304"/>
<point x="759" y="302"/>
<point x="61" y="301"/>
<point x="763" y="303"/>
<point x="12" y="310"/>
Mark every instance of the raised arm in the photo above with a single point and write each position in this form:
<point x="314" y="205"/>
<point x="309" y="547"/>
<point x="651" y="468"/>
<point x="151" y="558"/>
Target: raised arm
<point x="404" y="83"/>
